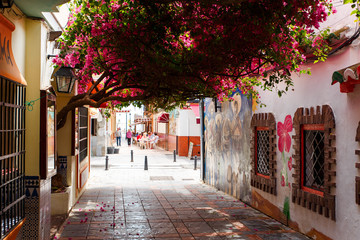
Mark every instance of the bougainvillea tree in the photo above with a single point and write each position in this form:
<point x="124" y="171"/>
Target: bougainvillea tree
<point x="165" y="52"/>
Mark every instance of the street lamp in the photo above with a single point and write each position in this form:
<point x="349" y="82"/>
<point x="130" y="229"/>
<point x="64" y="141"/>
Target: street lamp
<point x="65" y="79"/>
<point x="6" y="3"/>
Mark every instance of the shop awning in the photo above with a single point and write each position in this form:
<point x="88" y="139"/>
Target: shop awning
<point x="142" y="120"/>
<point x="163" y="118"/>
<point x="8" y="67"/>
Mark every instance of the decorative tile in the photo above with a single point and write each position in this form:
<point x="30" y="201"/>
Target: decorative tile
<point x="45" y="208"/>
<point x="31" y="226"/>
<point x="32" y="184"/>
<point x="37" y="208"/>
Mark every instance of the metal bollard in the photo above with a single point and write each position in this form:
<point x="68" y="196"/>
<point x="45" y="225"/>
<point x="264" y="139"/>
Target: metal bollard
<point x="107" y="162"/>
<point x="195" y="160"/>
<point x="132" y="156"/>
<point x="174" y="155"/>
<point x="146" y="164"/>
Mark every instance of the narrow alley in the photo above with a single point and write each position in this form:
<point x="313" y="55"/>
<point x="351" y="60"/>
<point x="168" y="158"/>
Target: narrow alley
<point x="167" y="201"/>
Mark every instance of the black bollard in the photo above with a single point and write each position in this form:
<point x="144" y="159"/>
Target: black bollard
<point x="132" y="156"/>
<point x="195" y="160"/>
<point x="146" y="164"/>
<point x="107" y="163"/>
<point x="174" y="155"/>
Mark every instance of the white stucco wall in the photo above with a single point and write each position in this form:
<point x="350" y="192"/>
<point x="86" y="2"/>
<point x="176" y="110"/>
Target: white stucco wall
<point x="162" y="128"/>
<point x="186" y="123"/>
<point x="312" y="91"/>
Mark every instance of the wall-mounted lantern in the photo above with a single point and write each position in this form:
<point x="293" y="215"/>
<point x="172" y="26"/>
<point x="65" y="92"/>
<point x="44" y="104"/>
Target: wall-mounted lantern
<point x="65" y="79"/>
<point x="6" y="3"/>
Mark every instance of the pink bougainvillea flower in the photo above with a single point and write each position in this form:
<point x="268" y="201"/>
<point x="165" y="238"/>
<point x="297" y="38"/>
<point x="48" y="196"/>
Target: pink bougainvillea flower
<point x="290" y="163"/>
<point x="282" y="181"/>
<point x="283" y="130"/>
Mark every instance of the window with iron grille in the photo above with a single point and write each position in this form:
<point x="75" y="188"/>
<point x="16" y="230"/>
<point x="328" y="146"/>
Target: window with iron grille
<point x="312" y="158"/>
<point x="12" y="155"/>
<point x="263" y="152"/>
<point x="315" y="160"/>
<point x="83" y="133"/>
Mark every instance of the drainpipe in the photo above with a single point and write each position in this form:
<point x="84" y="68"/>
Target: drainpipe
<point x="202" y="140"/>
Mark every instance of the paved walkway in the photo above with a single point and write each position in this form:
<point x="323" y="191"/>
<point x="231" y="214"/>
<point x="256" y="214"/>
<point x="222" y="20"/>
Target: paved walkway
<point x="168" y="201"/>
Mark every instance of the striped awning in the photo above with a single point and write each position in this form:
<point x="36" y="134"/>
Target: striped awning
<point x="163" y="118"/>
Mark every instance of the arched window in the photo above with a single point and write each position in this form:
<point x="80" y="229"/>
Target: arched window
<point x="314" y="177"/>
<point x="263" y="152"/>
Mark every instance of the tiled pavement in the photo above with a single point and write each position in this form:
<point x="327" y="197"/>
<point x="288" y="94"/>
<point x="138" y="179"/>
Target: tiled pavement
<point x="165" y="202"/>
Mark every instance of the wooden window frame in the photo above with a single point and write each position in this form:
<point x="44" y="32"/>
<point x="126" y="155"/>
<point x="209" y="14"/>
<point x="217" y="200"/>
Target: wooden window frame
<point x="321" y="202"/>
<point x="265" y="183"/>
<point x="82" y="139"/>
<point x="311" y="127"/>
<point x="357" y="165"/>
<point x="48" y="95"/>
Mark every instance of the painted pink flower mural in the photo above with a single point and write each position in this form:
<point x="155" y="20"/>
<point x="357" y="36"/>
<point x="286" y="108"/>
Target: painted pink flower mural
<point x="283" y="130"/>
<point x="282" y="181"/>
<point x="290" y="163"/>
<point x="284" y="144"/>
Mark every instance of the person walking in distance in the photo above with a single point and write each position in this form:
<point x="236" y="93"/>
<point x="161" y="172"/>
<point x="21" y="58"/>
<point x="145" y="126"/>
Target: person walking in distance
<point x="118" y="137"/>
<point x="128" y="136"/>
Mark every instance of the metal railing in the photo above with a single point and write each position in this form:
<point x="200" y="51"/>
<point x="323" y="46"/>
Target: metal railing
<point x="12" y="155"/>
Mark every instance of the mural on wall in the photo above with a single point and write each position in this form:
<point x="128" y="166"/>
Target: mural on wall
<point x="173" y="115"/>
<point x="284" y="145"/>
<point x="227" y="146"/>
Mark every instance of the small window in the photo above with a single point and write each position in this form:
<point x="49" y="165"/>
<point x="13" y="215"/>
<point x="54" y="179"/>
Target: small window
<point x="83" y="133"/>
<point x="262" y="151"/>
<point x="312" y="145"/>
<point x="315" y="160"/>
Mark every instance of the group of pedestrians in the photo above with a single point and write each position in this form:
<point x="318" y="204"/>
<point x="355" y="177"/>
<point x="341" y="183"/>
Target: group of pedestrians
<point x="118" y="136"/>
<point x="147" y="139"/>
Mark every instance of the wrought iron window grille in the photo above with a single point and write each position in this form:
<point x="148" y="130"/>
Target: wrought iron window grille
<point x="262" y="152"/>
<point x="314" y="167"/>
<point x="313" y="159"/>
<point x="12" y="155"/>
